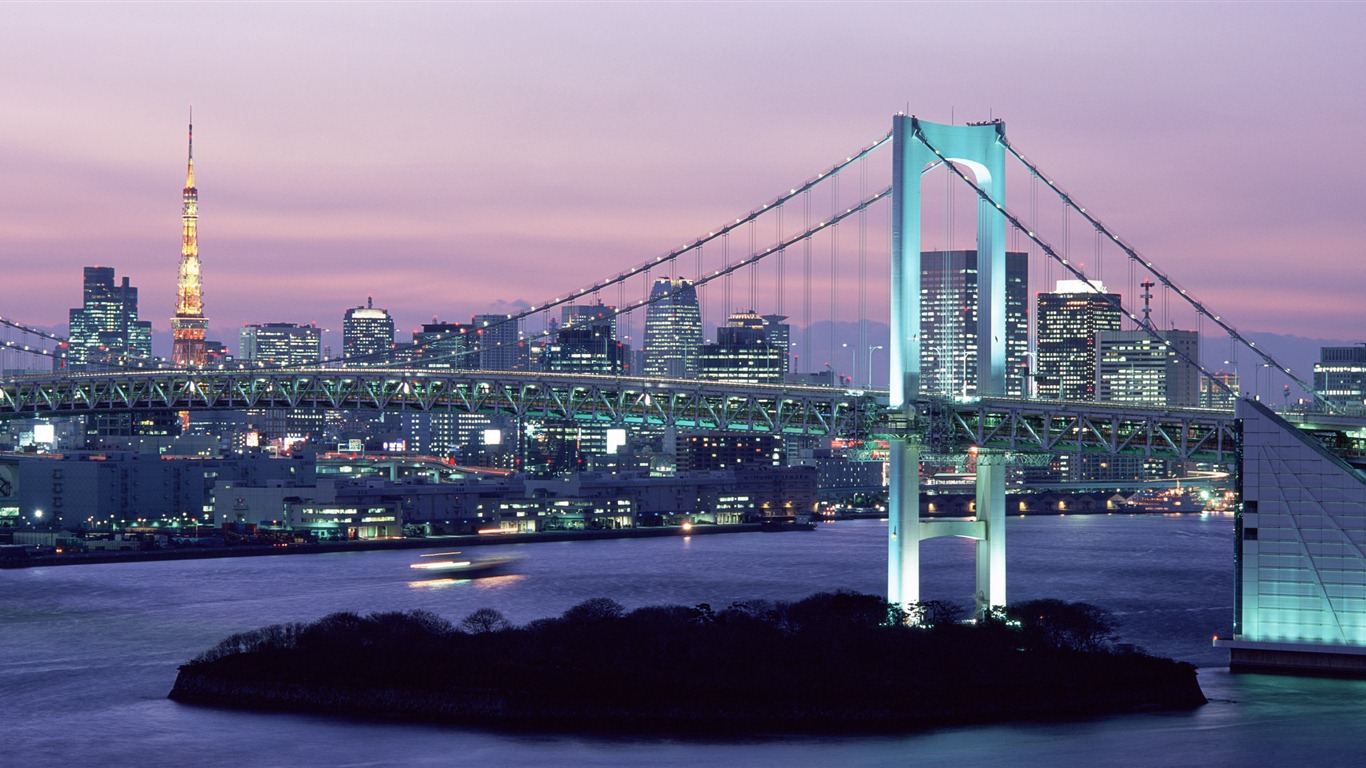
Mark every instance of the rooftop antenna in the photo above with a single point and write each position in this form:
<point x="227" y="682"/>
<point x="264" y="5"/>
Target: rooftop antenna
<point x="1147" y="297"/>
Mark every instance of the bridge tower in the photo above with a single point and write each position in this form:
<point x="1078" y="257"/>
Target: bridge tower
<point x="916" y="145"/>
<point x="188" y="326"/>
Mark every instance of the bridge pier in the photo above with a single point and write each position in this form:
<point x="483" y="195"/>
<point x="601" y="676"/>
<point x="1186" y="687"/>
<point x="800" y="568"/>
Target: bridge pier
<point x="991" y="546"/>
<point x="903" y="521"/>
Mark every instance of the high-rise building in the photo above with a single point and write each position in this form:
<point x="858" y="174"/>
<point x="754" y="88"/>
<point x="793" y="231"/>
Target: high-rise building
<point x="1340" y="377"/>
<point x="189" y="326"/>
<point x="1212" y="395"/>
<point x="673" y="330"/>
<point x="779" y="336"/>
<point x="281" y="344"/>
<point x="742" y="353"/>
<point x="105" y="330"/>
<point x="587" y="347"/>
<point x="599" y="314"/>
<point x="1068" y="322"/>
<point x="1134" y="367"/>
<point x="948" y="322"/>
<point x="367" y="335"/>
<point x="499" y="343"/>
<point x="444" y="346"/>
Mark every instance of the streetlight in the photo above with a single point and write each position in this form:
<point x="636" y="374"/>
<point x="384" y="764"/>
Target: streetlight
<point x="871" y="347"/>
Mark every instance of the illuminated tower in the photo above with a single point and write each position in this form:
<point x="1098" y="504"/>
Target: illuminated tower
<point x="189" y="324"/>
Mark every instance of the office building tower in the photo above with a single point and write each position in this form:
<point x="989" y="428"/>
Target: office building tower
<point x="499" y="342"/>
<point x="1068" y="322"/>
<point x="444" y="347"/>
<point x="1133" y="367"/>
<point x="673" y="330"/>
<point x="367" y="335"/>
<point x="586" y="348"/>
<point x="948" y="322"/>
<point x="742" y="353"/>
<point x="1212" y="395"/>
<point x="598" y="314"/>
<point x="105" y="330"/>
<point x="281" y="344"/>
<point x="779" y="336"/>
<point x="189" y="326"/>
<point x="1340" y="377"/>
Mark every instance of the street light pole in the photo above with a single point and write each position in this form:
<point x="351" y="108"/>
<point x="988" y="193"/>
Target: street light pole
<point x="871" y="347"/>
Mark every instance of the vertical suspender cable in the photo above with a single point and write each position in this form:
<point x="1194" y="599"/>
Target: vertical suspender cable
<point x="862" y="274"/>
<point x="806" y="283"/>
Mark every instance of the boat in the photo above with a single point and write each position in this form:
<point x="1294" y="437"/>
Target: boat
<point x="452" y="565"/>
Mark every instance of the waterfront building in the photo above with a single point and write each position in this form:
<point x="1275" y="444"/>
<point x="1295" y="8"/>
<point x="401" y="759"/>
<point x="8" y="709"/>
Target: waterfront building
<point x="742" y="353"/>
<point x="779" y="336"/>
<point x="948" y="322"/>
<point x="1300" y="547"/>
<point x="728" y="450"/>
<point x="499" y="342"/>
<point x="92" y="491"/>
<point x="1068" y="321"/>
<point x="367" y="335"/>
<point x="1340" y="377"/>
<point x="673" y="330"/>
<point x="1133" y="367"/>
<point x="281" y="344"/>
<point x="189" y="325"/>
<point x="105" y="331"/>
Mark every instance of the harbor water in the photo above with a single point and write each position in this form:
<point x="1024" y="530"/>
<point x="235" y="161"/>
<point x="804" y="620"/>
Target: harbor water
<point x="88" y="653"/>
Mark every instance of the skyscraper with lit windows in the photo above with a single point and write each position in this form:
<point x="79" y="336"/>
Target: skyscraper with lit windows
<point x="673" y="330"/>
<point x="367" y="335"/>
<point x="1069" y="319"/>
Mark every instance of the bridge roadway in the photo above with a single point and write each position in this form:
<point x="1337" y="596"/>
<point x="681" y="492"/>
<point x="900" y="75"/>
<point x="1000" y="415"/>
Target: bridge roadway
<point x="1017" y="425"/>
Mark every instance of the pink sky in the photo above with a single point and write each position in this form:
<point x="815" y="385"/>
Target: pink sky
<point x="444" y="157"/>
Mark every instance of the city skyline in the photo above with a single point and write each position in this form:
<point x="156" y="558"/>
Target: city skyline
<point x="448" y="179"/>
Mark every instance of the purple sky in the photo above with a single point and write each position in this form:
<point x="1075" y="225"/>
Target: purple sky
<point x="447" y="157"/>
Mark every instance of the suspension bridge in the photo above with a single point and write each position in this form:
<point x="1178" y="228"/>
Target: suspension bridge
<point x="818" y="241"/>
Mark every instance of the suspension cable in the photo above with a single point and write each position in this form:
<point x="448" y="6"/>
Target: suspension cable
<point x="1133" y="254"/>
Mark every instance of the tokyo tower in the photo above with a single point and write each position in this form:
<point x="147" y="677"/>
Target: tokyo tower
<point x="189" y="324"/>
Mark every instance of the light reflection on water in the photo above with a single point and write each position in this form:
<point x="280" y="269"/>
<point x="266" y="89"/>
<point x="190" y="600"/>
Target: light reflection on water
<point x="88" y="653"/>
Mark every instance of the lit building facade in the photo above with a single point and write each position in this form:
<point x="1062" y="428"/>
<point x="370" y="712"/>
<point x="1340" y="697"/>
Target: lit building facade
<point x="673" y="330"/>
<point x="1300" y="549"/>
<point x="499" y="343"/>
<point x="1340" y="377"/>
<point x="444" y="347"/>
<point x="1133" y="367"/>
<point x="948" y="322"/>
<point x="1068" y="322"/>
<point x="367" y="335"/>
<point x="105" y="330"/>
<point x="742" y="353"/>
<point x="281" y="344"/>
<point x="1213" y="395"/>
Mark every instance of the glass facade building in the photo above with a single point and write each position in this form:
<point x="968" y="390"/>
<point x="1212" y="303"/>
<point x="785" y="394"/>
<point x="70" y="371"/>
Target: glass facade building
<point x="948" y="322"/>
<point x="1300" y="551"/>
<point x="673" y="330"/>
<point x="105" y="330"/>
<point x="1133" y="367"/>
<point x="1340" y="376"/>
<point x="367" y="335"/>
<point x="283" y="344"/>
<point x="1068" y="322"/>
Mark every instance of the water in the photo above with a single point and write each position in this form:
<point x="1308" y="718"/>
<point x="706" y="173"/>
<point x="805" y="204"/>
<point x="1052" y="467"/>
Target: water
<point x="88" y="653"/>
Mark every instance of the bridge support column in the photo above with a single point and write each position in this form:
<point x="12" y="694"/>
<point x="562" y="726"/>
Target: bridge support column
<point x="903" y="522"/>
<point x="991" y="547"/>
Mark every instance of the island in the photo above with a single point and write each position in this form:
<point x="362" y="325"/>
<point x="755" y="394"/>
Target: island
<point x="832" y="662"/>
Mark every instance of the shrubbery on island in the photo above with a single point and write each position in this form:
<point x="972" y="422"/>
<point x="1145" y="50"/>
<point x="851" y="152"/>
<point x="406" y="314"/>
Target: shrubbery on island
<point x="831" y="662"/>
